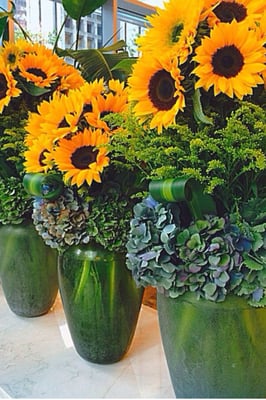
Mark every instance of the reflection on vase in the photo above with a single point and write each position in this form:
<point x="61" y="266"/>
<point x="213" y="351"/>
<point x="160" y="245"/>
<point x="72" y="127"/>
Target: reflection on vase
<point x="214" y="350"/>
<point x="100" y="300"/>
<point x="28" y="270"/>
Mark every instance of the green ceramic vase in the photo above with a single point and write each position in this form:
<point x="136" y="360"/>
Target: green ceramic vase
<point x="28" y="270"/>
<point x="214" y="350"/>
<point x="100" y="300"/>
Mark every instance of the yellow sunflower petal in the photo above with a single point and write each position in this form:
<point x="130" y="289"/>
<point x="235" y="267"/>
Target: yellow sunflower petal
<point x="155" y="88"/>
<point x="232" y="63"/>
<point x="80" y="158"/>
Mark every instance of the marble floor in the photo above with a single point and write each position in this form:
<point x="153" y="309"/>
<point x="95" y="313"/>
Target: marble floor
<point x="38" y="360"/>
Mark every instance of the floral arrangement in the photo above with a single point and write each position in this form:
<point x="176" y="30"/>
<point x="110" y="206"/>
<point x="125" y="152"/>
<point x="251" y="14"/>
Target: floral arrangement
<point x="29" y="73"/>
<point x="83" y="191"/>
<point x="201" y="105"/>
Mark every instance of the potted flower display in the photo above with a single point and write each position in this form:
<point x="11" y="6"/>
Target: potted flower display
<point x="29" y="73"/>
<point x="199" y="237"/>
<point x="83" y="202"/>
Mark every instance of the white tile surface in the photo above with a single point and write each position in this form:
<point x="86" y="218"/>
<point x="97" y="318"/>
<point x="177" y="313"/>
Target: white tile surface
<point x="38" y="360"/>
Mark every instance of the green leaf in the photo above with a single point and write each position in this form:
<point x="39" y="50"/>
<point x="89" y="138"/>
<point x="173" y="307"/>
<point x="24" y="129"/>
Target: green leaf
<point x="34" y="90"/>
<point x="81" y="8"/>
<point x="3" y="25"/>
<point x="251" y="263"/>
<point x="125" y="65"/>
<point x="197" y="109"/>
<point x="258" y="241"/>
<point x="97" y="63"/>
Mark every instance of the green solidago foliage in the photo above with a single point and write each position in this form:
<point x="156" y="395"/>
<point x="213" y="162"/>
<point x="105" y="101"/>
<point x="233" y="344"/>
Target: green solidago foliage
<point x="229" y="162"/>
<point x="152" y="155"/>
<point x="15" y="203"/>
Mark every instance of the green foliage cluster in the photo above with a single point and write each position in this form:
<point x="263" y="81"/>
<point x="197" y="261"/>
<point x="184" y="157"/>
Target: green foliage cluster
<point x="15" y="203"/>
<point x="229" y="162"/>
<point x="111" y="206"/>
<point x="212" y="256"/>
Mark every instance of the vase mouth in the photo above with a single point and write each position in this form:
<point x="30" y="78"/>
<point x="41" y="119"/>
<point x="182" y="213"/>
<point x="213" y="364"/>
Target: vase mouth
<point x="231" y="301"/>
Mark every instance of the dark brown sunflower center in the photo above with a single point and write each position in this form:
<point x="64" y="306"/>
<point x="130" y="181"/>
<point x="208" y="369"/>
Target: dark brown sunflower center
<point x="87" y="108"/>
<point x="37" y="72"/>
<point x="11" y="58"/>
<point x="161" y="90"/>
<point x="176" y="32"/>
<point x="104" y="113"/>
<point x="42" y="158"/>
<point x="226" y="11"/>
<point x="227" y="61"/>
<point x="63" y="123"/>
<point x="3" y="86"/>
<point x="83" y="156"/>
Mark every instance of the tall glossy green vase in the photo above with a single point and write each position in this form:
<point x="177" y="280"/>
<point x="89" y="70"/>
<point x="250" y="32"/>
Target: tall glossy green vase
<point x="214" y="350"/>
<point x="100" y="300"/>
<point x="28" y="270"/>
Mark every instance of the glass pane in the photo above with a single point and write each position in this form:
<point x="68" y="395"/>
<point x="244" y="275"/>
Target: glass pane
<point x="155" y="3"/>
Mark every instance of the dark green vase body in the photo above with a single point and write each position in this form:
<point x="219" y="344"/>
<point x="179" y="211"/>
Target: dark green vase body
<point x="28" y="270"/>
<point x="100" y="300"/>
<point x="214" y="350"/>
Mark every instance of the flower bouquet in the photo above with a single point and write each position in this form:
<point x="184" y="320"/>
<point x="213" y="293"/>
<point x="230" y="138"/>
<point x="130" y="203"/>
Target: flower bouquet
<point x="29" y="73"/>
<point x="200" y="235"/>
<point x="69" y="141"/>
<point x="204" y="229"/>
<point x="83" y="200"/>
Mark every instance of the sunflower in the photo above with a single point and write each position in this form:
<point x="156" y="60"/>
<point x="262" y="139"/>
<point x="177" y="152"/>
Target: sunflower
<point x="117" y="87"/>
<point x="113" y="98"/>
<point x="261" y="28"/>
<point x="39" y="68"/>
<point x="103" y="105"/>
<point x="11" y="54"/>
<point x="231" y="60"/>
<point x="25" y="46"/>
<point x="155" y="88"/>
<point x="261" y="33"/>
<point x="64" y="115"/>
<point x="240" y="10"/>
<point x="57" y="118"/>
<point x="39" y="157"/>
<point x="172" y="29"/>
<point x="70" y="78"/>
<point x="33" y="126"/>
<point x="90" y="90"/>
<point x="8" y="87"/>
<point x="82" y="157"/>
